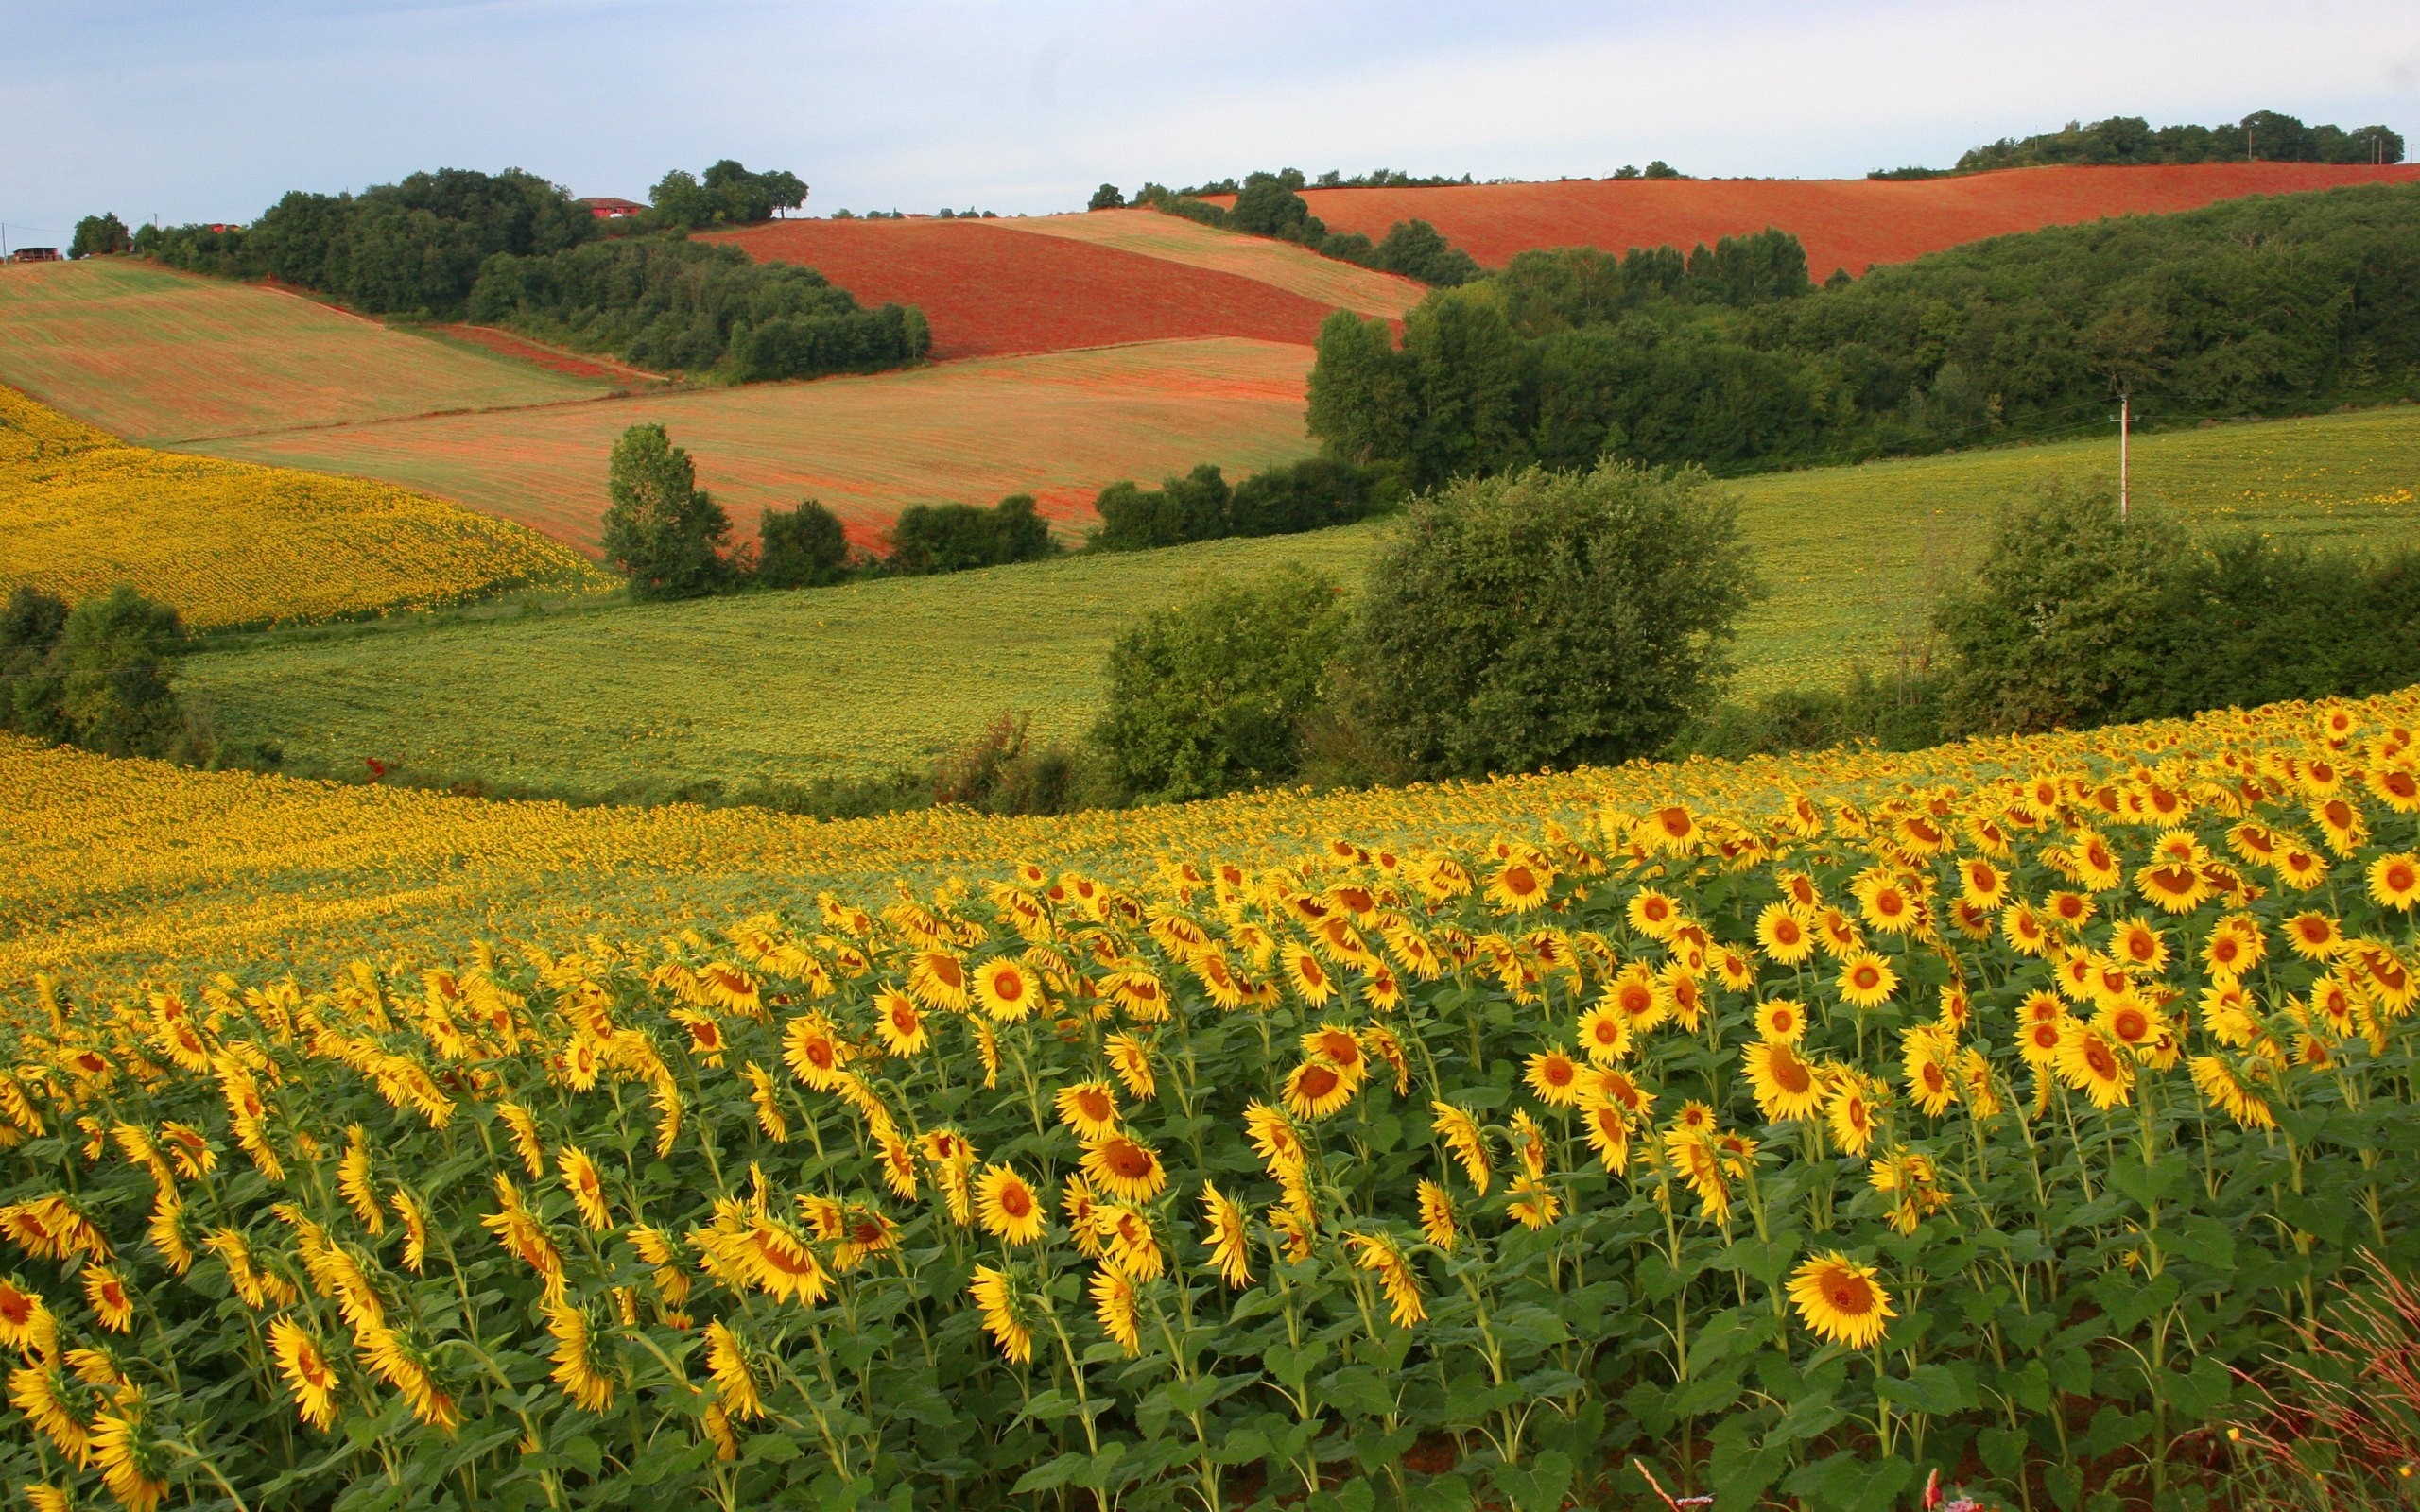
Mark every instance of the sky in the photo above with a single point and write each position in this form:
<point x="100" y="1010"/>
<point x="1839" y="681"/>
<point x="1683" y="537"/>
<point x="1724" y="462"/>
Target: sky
<point x="208" y="109"/>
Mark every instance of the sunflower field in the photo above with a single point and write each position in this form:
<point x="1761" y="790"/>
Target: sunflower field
<point x="1786" y="1143"/>
<point x="235" y="543"/>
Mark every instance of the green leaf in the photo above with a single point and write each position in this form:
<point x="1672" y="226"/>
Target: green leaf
<point x="1242" y="1447"/>
<point x="774" y="1449"/>
<point x="1928" y="1388"/>
<point x="2202" y="1239"/>
<point x="1538" y="1486"/>
<point x="2004" y="1451"/>
<point x="584" y="1452"/>
<point x="2199" y="1393"/>
<point x="1051" y="1475"/>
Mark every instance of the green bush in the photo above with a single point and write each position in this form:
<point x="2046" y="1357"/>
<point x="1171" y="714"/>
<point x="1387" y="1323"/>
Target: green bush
<point x="1550" y="619"/>
<point x="803" y="548"/>
<point x="97" y="677"/>
<point x="2077" y="617"/>
<point x="953" y="537"/>
<point x="1209" y="696"/>
<point x="661" y="529"/>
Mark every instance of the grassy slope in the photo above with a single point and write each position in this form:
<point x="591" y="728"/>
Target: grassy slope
<point x="1060" y="426"/>
<point x="156" y="356"/>
<point x="857" y="678"/>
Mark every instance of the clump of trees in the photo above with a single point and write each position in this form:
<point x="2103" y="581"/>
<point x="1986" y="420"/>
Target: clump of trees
<point x="101" y="235"/>
<point x="512" y="249"/>
<point x="97" y="676"/>
<point x="694" y="307"/>
<point x="1543" y="619"/>
<point x="952" y="538"/>
<point x="726" y="194"/>
<point x="1730" y="358"/>
<point x="1311" y="494"/>
<point x="2264" y="136"/>
<point x="1271" y="204"/>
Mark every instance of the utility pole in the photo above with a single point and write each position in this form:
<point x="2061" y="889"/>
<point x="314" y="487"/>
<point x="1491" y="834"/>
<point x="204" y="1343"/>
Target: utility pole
<point x="2125" y="422"/>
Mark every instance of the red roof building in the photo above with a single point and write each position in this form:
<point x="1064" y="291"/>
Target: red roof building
<point x="605" y="207"/>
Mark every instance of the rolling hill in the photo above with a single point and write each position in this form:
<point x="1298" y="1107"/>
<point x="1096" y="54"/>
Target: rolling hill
<point x="159" y="356"/>
<point x="1058" y="425"/>
<point x="855" y="680"/>
<point x="1845" y="223"/>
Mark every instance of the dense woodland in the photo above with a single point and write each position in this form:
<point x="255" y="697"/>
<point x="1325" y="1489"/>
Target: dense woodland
<point x="1271" y="204"/>
<point x="1731" y="358"/>
<point x="512" y="249"/>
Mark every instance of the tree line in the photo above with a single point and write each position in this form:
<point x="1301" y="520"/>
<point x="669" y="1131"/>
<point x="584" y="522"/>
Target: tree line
<point x="1732" y="358"/>
<point x="2264" y="136"/>
<point x="513" y="250"/>
<point x="1271" y="204"/>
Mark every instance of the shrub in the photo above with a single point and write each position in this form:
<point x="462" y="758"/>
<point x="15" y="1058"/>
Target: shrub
<point x="1415" y="249"/>
<point x="662" y="529"/>
<point x="1306" y="495"/>
<point x="1548" y="619"/>
<point x="1208" y="697"/>
<point x="801" y="548"/>
<point x="951" y="538"/>
<point x="1188" y="509"/>
<point x="97" y="677"/>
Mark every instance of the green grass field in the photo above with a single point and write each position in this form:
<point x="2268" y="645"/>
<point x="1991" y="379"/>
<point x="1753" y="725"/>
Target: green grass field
<point x="853" y="680"/>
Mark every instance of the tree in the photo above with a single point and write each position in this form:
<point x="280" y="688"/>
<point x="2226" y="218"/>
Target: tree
<point x="1550" y="619"/>
<point x="99" y="236"/>
<point x="952" y="538"/>
<point x="1364" y="401"/>
<point x="1209" y="696"/>
<point x="2052" y="628"/>
<point x="1416" y="249"/>
<point x="1107" y="197"/>
<point x="97" y="677"/>
<point x="803" y="548"/>
<point x="661" y="529"/>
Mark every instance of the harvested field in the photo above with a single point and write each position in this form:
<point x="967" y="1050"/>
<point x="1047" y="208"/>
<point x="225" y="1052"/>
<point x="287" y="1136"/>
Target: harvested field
<point x="1288" y="267"/>
<point x="1059" y="426"/>
<point x="554" y="359"/>
<point x="159" y="356"/>
<point x="988" y="290"/>
<point x="1850" y="223"/>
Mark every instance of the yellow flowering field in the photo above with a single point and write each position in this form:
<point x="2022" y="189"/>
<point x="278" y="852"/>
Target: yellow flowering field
<point x="238" y="543"/>
<point x="1780" y="1132"/>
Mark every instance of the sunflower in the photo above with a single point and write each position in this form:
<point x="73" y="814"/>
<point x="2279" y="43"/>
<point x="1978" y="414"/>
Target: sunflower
<point x="1124" y="1167"/>
<point x="2341" y="823"/>
<point x="900" y="1022"/>
<point x="24" y="1317"/>
<point x="1925" y="1061"/>
<point x="1681" y="990"/>
<point x="1981" y="884"/>
<point x="387" y="1355"/>
<point x="1316" y="1089"/>
<point x="1848" y="1111"/>
<point x="1339" y="1047"/>
<point x="1692" y="1154"/>
<point x="1006" y="990"/>
<point x="1007" y="1206"/>
<point x="2025" y="929"/>
<point x="1379" y="1254"/>
<point x="111" y="1304"/>
<point x="995" y="1298"/>
<point x="1605" y="1034"/>
<point x="1888" y="904"/>
<point x="1519" y="887"/>
<point x="1607" y="1128"/>
<point x="2138" y="947"/>
<point x="355" y="1182"/>
<point x="1613" y="1085"/>
<point x="307" y="1373"/>
<point x="2174" y="886"/>
<point x="937" y="979"/>
<point x="1787" y="1088"/>
<point x="1639" y="997"/>
<point x="2394" y="881"/>
<point x="2096" y="864"/>
<point x="2301" y="869"/>
<point x="1669" y="831"/>
<point x="776" y="1260"/>
<point x="1653" y="914"/>
<point x="1310" y="980"/>
<point x="2090" y="1064"/>
<point x="1555" y="1077"/>
<point x="1466" y="1139"/>
<point x="1781" y="1019"/>
<point x="1089" y="1108"/>
<point x="1273" y="1139"/>
<point x="1128" y="1243"/>
<point x="2313" y="935"/>
<point x="1841" y="1301"/>
<point x="575" y="1367"/>
<point x="2224" y="1090"/>
<point x="1838" y="934"/>
<point x="1437" y="1224"/>
<point x="735" y="1389"/>
<point x="1226" y="1237"/>
<point x="2130" y="1021"/>
<point x="132" y="1467"/>
<point x="1866" y="981"/>
<point x="1533" y="1202"/>
<point x="813" y="1052"/>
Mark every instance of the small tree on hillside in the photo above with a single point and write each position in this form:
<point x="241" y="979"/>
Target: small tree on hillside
<point x="803" y="548"/>
<point x="1548" y="619"/>
<point x="662" y="529"/>
<point x="1209" y="696"/>
<point x="99" y="236"/>
<point x="1107" y="197"/>
<point x="2052" y="628"/>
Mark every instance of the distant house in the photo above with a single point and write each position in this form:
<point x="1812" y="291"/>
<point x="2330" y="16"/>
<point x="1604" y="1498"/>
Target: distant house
<point x="605" y="207"/>
<point x="36" y="254"/>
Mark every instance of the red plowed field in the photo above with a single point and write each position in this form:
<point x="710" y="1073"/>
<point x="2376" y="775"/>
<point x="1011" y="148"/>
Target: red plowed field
<point x="990" y="291"/>
<point x="1850" y="223"/>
